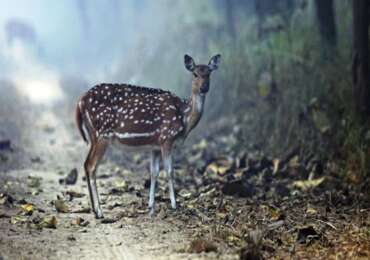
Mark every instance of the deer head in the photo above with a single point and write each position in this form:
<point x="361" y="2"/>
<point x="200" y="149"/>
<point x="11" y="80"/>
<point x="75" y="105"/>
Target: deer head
<point x="200" y="87"/>
<point x="201" y="73"/>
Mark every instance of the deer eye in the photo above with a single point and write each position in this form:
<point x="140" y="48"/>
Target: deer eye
<point x="195" y="75"/>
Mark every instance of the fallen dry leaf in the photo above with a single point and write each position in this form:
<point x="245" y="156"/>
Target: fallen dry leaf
<point x="311" y="210"/>
<point x="232" y="240"/>
<point x="48" y="222"/>
<point x="308" y="184"/>
<point x="121" y="184"/>
<point x="75" y="194"/>
<point x="276" y="164"/>
<point x="36" y="191"/>
<point x="61" y="206"/>
<point x="185" y="194"/>
<point x="201" y="145"/>
<point x="201" y="245"/>
<point x="81" y="222"/>
<point x="113" y="219"/>
<point x="294" y="162"/>
<point x="28" y="208"/>
<point x="81" y="210"/>
<point x="217" y="169"/>
<point x="275" y="214"/>
<point x="18" y="219"/>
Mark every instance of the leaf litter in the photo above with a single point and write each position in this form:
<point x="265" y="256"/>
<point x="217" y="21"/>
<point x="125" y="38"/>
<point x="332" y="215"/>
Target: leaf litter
<point x="244" y="204"/>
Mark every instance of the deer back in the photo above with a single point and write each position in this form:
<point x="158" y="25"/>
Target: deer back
<point x="134" y="115"/>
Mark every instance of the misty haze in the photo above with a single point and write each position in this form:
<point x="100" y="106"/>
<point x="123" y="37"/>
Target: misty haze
<point x="222" y="129"/>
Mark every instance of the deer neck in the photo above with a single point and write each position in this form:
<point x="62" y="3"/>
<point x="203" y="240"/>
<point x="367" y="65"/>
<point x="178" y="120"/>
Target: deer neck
<point x="193" y="111"/>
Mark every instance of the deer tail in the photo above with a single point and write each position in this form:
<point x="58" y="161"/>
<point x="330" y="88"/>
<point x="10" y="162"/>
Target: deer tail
<point x="79" y="120"/>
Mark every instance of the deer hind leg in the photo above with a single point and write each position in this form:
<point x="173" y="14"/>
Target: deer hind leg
<point x="96" y="152"/>
<point x="86" y="167"/>
<point x="167" y="163"/>
<point x="154" y="171"/>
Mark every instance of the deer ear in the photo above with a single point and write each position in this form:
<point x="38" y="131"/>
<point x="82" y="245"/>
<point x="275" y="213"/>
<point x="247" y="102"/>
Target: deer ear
<point x="189" y="62"/>
<point x="214" y="62"/>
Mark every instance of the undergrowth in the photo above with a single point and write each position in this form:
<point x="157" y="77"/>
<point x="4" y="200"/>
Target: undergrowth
<point x="286" y="92"/>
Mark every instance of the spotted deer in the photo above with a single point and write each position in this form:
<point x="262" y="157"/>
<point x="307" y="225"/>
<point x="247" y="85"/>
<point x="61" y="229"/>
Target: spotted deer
<point x="144" y="117"/>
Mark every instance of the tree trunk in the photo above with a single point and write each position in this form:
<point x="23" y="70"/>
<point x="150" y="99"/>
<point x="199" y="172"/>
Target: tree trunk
<point x="229" y="16"/>
<point x="326" y="22"/>
<point x="360" y="65"/>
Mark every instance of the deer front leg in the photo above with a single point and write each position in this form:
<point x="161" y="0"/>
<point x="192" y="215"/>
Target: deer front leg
<point x="154" y="171"/>
<point x="167" y="162"/>
<point x="97" y="151"/>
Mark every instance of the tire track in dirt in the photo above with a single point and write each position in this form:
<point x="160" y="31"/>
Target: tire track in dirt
<point x="109" y="247"/>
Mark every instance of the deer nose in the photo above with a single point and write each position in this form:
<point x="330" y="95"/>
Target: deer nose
<point x="204" y="88"/>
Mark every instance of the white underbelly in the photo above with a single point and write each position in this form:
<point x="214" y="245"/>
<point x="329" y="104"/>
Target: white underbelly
<point x="117" y="139"/>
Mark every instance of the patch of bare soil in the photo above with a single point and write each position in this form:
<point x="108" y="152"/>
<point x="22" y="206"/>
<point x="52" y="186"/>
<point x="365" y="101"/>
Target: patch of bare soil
<point x="231" y="206"/>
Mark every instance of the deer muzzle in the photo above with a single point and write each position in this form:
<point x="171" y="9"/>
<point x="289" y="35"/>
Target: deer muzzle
<point x="204" y="88"/>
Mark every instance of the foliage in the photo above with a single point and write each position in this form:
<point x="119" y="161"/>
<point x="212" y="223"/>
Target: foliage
<point x="281" y="87"/>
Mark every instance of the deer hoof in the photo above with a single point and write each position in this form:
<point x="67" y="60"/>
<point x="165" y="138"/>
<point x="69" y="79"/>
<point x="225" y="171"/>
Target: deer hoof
<point x="99" y="214"/>
<point x="151" y="212"/>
